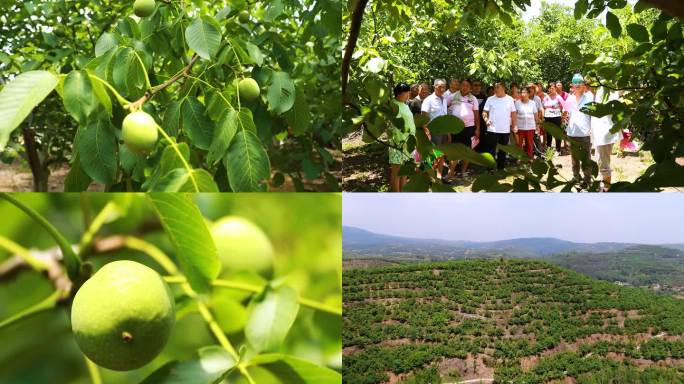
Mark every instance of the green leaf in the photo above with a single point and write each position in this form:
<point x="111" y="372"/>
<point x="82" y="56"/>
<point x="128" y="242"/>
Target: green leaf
<point x="19" y="97"/>
<point x="271" y="316"/>
<point x="179" y="180"/>
<point x="188" y="232"/>
<point x="423" y="144"/>
<point x="79" y="99"/>
<point x="580" y="8"/>
<point x="204" y="36"/>
<point x="255" y="54"/>
<point x="291" y="369"/>
<point x="458" y="151"/>
<point x="97" y="150"/>
<point x="127" y="73"/>
<point x="76" y="180"/>
<point x="613" y="24"/>
<point x="554" y="130"/>
<point x="223" y="135"/>
<point x="247" y="163"/>
<point x="208" y="368"/>
<point x="106" y="42"/>
<point x="246" y="120"/>
<point x="514" y="151"/>
<point x="299" y="117"/>
<point x="196" y="123"/>
<point x="275" y="8"/>
<point x="281" y="93"/>
<point x="172" y="116"/>
<point x="638" y="32"/>
<point x="443" y="125"/>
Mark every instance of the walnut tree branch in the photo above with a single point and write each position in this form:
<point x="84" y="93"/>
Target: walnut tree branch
<point x="185" y="72"/>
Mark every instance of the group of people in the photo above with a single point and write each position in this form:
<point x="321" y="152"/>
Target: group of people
<point x="505" y="116"/>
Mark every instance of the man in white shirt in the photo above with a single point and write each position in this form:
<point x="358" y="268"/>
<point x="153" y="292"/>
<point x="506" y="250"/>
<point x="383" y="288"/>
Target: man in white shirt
<point x="579" y="130"/>
<point x="499" y="115"/>
<point x="434" y="106"/>
<point x="602" y="138"/>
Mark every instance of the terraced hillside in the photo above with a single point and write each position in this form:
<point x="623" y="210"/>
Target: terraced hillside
<point x="504" y="321"/>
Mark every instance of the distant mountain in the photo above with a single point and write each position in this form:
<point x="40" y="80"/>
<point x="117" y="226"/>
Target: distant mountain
<point x="657" y="267"/>
<point x="360" y="242"/>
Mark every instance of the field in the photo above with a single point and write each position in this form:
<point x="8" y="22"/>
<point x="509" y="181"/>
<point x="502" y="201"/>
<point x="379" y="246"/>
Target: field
<point x="502" y="321"/>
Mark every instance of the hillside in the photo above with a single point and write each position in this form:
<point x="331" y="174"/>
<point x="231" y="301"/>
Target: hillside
<point x="515" y="321"/>
<point x="660" y="268"/>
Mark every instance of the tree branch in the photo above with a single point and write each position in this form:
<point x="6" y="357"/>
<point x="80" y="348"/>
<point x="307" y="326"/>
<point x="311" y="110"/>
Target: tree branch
<point x="134" y="106"/>
<point x="357" y="18"/>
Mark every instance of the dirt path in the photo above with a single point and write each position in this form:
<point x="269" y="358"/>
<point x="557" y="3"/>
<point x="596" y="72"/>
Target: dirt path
<point x="17" y="177"/>
<point x="366" y="168"/>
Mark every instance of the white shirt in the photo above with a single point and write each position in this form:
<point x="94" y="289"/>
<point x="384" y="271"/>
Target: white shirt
<point x="579" y="124"/>
<point x="435" y="106"/>
<point x="499" y="109"/>
<point x="526" y="113"/>
<point x="600" y="126"/>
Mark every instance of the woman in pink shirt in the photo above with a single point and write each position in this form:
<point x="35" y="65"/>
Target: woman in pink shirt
<point x="553" y="110"/>
<point x="465" y="106"/>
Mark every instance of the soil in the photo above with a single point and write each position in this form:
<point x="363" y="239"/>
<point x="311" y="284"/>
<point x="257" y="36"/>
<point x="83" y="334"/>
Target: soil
<point x="366" y="167"/>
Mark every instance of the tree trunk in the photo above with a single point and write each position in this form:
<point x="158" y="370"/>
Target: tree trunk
<point x="39" y="171"/>
<point x="674" y="8"/>
<point x="357" y="18"/>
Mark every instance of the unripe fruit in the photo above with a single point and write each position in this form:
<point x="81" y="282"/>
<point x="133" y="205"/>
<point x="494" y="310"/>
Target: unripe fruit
<point x="249" y="89"/>
<point x="243" y="16"/>
<point x="241" y="245"/>
<point x="143" y="8"/>
<point x="139" y="131"/>
<point x="123" y="315"/>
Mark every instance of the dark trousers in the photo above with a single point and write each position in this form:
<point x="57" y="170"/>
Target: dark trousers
<point x="580" y="152"/>
<point x="557" y="121"/>
<point x="492" y="139"/>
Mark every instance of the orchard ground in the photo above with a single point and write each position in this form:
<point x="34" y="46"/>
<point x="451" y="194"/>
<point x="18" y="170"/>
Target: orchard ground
<point x="17" y="177"/>
<point x="366" y="167"/>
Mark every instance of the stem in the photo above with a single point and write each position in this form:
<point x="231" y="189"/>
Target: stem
<point x="256" y="289"/>
<point x="119" y="98"/>
<point x="24" y="253"/>
<point x="213" y="326"/>
<point x="94" y="227"/>
<point x="142" y="65"/>
<point x="48" y="303"/>
<point x="93" y="371"/>
<point x="151" y="250"/>
<point x="72" y="261"/>
<point x="180" y="155"/>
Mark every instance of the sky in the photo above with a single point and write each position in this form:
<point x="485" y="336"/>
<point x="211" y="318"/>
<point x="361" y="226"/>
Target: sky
<point x="654" y="218"/>
<point x="535" y="7"/>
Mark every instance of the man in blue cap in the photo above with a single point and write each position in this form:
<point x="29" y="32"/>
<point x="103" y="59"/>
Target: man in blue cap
<point x="579" y="131"/>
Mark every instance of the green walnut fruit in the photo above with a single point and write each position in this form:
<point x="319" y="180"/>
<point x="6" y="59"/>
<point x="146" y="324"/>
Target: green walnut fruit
<point x="139" y="131"/>
<point x="143" y="8"/>
<point x="243" y="16"/>
<point x="241" y="245"/>
<point x="123" y="315"/>
<point x="249" y="89"/>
